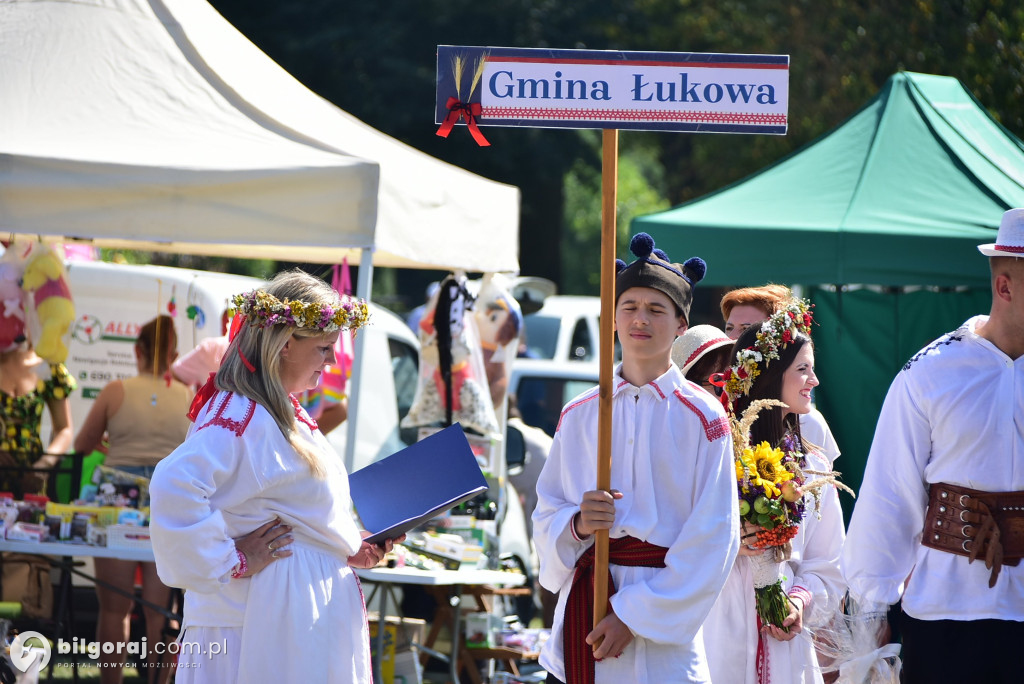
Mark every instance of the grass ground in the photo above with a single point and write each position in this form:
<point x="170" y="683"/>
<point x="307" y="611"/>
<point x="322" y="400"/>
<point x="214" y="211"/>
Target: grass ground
<point x="90" y="671"/>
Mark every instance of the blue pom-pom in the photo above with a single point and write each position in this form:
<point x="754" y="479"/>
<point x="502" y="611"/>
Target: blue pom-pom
<point x="619" y="265"/>
<point x="661" y="254"/>
<point x="641" y="245"/>
<point x="695" y="268"/>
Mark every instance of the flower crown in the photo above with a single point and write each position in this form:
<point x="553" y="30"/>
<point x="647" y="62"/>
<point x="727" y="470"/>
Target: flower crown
<point x="773" y="336"/>
<point x="263" y="310"/>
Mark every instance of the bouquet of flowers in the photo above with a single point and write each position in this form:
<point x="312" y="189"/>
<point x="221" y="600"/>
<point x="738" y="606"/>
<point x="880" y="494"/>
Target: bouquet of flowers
<point x="771" y="500"/>
<point x="775" y="492"/>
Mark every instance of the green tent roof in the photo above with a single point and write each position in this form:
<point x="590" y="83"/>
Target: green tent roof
<point x="899" y="194"/>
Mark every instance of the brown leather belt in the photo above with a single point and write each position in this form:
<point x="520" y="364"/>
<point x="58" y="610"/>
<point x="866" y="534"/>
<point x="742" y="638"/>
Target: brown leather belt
<point x="976" y="524"/>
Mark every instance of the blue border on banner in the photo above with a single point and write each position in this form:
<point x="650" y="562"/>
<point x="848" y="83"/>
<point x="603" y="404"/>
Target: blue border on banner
<point x="446" y="84"/>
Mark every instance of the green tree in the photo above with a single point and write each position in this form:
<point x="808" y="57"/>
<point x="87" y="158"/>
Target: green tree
<point x="377" y="61"/>
<point x="639" y="191"/>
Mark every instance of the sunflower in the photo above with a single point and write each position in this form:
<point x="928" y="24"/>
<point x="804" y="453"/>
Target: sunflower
<point x="769" y="470"/>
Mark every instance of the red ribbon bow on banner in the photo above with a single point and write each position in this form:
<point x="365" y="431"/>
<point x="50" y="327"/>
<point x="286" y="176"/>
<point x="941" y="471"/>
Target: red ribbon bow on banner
<point x="456" y="110"/>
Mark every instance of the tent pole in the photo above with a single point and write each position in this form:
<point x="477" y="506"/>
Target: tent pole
<point x="364" y="283"/>
<point x="609" y="175"/>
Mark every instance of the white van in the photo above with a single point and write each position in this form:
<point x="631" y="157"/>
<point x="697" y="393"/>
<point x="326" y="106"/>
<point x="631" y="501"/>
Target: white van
<point x="113" y="301"/>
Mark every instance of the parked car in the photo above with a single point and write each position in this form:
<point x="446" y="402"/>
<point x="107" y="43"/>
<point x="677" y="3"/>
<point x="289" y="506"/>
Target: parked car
<point x="542" y="388"/>
<point x="566" y="328"/>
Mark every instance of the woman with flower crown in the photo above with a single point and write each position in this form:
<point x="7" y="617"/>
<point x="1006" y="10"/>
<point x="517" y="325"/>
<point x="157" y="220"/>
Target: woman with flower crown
<point x="252" y="514"/>
<point x="774" y="370"/>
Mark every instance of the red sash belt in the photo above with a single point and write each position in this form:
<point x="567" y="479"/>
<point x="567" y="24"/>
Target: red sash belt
<point x="579" y="607"/>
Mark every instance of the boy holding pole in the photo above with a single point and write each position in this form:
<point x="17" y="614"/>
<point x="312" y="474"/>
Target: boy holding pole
<point x="672" y="515"/>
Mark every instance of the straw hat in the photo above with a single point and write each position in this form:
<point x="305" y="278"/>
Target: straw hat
<point x="1010" y="238"/>
<point x="695" y="343"/>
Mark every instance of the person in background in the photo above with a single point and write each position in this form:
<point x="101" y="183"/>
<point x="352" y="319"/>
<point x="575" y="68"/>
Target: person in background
<point x="252" y="515"/>
<point x="144" y="420"/>
<point x="672" y="522"/>
<point x="413" y="319"/>
<point x="941" y="509"/>
<point x="750" y="306"/>
<point x="740" y="649"/>
<point x="747" y="306"/>
<point x="538" y="444"/>
<point x="701" y="352"/>
<point x="194" y="366"/>
<point x="23" y="394"/>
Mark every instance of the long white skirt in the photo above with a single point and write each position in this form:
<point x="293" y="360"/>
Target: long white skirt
<point x="305" y="621"/>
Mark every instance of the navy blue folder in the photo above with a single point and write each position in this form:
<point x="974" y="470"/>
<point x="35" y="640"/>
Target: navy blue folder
<point x="404" y="490"/>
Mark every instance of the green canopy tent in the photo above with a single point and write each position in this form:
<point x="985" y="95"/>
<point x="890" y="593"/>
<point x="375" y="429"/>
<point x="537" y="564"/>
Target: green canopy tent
<point x="896" y="198"/>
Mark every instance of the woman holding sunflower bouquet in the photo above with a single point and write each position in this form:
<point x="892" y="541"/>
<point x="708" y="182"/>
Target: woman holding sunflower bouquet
<point x="787" y="577"/>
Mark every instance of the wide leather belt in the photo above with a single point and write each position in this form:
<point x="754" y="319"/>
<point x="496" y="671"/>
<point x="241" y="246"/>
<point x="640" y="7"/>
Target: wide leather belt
<point x="976" y="524"/>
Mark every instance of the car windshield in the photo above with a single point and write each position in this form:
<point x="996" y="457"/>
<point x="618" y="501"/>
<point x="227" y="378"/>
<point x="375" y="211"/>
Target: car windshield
<point x="541" y="335"/>
<point x="540" y="399"/>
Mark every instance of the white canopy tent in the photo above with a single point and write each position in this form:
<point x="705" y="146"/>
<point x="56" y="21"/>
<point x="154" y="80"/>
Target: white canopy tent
<point x="155" y="125"/>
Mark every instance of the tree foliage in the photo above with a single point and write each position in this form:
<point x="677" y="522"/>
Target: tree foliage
<point x="377" y="61"/>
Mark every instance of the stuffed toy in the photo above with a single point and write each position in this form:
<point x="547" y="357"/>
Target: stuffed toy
<point x="451" y="365"/>
<point x="12" y="301"/>
<point x="46" y="282"/>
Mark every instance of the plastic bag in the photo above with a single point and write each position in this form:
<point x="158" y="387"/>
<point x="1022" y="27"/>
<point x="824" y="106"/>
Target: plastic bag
<point x="852" y="641"/>
<point x="453" y="385"/>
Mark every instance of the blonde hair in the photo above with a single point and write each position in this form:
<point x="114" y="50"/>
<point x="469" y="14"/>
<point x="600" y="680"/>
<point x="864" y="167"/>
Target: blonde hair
<point x="262" y="348"/>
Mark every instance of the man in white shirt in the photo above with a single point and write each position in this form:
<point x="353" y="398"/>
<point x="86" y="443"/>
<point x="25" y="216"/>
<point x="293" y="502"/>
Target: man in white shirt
<point x="672" y="517"/>
<point x="940" y="517"/>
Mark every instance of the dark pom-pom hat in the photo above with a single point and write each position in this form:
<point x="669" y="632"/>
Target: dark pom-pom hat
<point x="654" y="269"/>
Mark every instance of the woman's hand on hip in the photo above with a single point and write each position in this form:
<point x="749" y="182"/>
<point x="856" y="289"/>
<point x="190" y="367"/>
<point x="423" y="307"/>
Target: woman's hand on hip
<point x="264" y="545"/>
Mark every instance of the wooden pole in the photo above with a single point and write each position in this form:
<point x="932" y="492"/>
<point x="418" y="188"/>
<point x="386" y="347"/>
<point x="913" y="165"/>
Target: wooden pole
<point x="609" y="190"/>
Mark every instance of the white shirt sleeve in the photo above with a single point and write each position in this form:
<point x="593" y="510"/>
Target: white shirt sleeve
<point x="885" y="529"/>
<point x="557" y="546"/>
<point x="818" y="570"/>
<point x="193" y="547"/>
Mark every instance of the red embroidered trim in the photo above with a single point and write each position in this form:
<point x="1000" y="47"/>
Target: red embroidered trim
<point x="241" y="567"/>
<point x="367" y="664"/>
<point x="715" y="429"/>
<point x="803" y="594"/>
<point x="570" y="407"/>
<point x="237" y="427"/>
<point x="595" y="395"/>
<point x="301" y="415"/>
<point x="763" y="673"/>
<point x="643" y="115"/>
<point x="657" y="389"/>
<point x="515" y="59"/>
<point x="1009" y="248"/>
